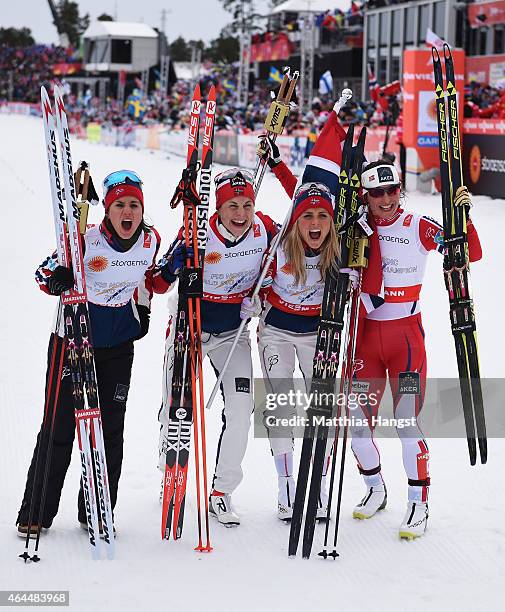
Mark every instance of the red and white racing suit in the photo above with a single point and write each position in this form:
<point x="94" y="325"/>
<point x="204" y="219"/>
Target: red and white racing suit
<point x="391" y="342"/>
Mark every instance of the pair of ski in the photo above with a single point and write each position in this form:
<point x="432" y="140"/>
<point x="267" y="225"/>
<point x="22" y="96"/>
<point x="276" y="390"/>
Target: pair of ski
<point x="75" y="344"/>
<point x="187" y="408"/>
<point x="335" y="311"/>
<point x="456" y="258"/>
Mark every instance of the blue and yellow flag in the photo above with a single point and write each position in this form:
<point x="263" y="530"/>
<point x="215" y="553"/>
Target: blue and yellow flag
<point x="275" y="75"/>
<point x="229" y="85"/>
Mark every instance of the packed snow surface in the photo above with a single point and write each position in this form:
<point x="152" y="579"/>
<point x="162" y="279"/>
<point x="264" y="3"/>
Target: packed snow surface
<point x="458" y="565"/>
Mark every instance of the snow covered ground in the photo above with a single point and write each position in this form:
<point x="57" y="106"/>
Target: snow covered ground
<point x="458" y="565"/>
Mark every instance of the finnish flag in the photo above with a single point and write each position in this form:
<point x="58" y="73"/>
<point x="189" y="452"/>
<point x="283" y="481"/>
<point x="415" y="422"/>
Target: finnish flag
<point x="326" y="84"/>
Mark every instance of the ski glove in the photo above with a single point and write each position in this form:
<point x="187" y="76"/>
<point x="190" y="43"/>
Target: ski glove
<point x="250" y="307"/>
<point x="353" y="276"/>
<point x="62" y="279"/>
<point x="144" y="315"/>
<point x="175" y="262"/>
<point x="267" y="147"/>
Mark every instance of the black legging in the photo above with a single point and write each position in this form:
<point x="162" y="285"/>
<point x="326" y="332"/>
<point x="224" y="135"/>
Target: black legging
<point x="113" y="370"/>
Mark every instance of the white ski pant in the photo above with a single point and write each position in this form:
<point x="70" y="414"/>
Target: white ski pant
<point x="278" y="349"/>
<point x="237" y="393"/>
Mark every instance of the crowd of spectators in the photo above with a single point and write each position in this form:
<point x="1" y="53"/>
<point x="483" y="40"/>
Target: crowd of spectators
<point x="24" y="69"/>
<point x="334" y="26"/>
<point x="173" y="112"/>
<point x="484" y="101"/>
<point x="34" y="66"/>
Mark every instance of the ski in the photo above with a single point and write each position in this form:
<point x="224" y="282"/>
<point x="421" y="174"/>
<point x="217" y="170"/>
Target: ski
<point x="456" y="259"/>
<point x="336" y="313"/>
<point x="187" y="405"/>
<point x="326" y="357"/>
<point x="275" y="122"/>
<point x="200" y="213"/>
<point x="58" y="344"/>
<point x="75" y="321"/>
<point x="180" y="417"/>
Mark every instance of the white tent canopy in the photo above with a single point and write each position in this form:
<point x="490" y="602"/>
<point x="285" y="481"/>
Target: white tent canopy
<point x="121" y="29"/>
<point x="316" y="6"/>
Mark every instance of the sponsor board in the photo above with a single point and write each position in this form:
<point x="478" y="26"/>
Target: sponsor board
<point x="425" y="140"/>
<point x="484" y="164"/>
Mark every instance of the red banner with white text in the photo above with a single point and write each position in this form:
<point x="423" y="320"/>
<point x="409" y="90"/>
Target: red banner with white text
<point x="482" y="14"/>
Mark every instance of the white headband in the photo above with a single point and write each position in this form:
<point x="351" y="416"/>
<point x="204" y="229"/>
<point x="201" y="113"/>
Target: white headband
<point x="380" y="176"/>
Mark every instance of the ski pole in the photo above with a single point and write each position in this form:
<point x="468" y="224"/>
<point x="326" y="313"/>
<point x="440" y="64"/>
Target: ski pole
<point x="345" y="387"/>
<point x="346" y="95"/>
<point x="275" y="121"/>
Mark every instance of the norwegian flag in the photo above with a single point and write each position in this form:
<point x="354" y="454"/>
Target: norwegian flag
<point x="373" y="86"/>
<point x="323" y="165"/>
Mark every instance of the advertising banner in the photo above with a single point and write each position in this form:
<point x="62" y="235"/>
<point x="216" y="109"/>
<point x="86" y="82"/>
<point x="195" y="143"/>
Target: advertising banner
<point x="484" y="157"/>
<point x="486" y="13"/>
<point x="486" y="69"/>
<point x="64" y="69"/>
<point x="109" y="135"/>
<point x="141" y="137"/>
<point x="126" y="136"/>
<point x="292" y="150"/>
<point x="153" y="139"/>
<point x="20" y="108"/>
<point x="175" y="143"/>
<point x="94" y="132"/>
<point x="420" y="133"/>
<point x="278" y="48"/>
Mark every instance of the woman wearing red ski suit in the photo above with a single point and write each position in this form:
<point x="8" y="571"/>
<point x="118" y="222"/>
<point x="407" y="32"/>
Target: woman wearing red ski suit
<point x="390" y="338"/>
<point x="391" y="342"/>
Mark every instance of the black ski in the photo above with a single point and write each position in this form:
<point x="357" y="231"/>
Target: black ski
<point x="456" y="259"/>
<point x="326" y="358"/>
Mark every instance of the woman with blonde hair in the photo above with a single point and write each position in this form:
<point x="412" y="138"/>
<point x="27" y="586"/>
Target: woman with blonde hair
<point x="289" y="323"/>
<point x="288" y="326"/>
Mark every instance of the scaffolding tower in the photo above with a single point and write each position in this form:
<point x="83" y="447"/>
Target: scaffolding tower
<point x="164" y="75"/>
<point x="196" y="64"/>
<point x="145" y="82"/>
<point x="121" y="83"/>
<point x="243" y="68"/>
<point x="307" y="49"/>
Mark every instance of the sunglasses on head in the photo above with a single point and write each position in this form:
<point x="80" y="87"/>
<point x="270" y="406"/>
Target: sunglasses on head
<point x="229" y="174"/>
<point x="378" y="192"/>
<point x="120" y="177"/>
